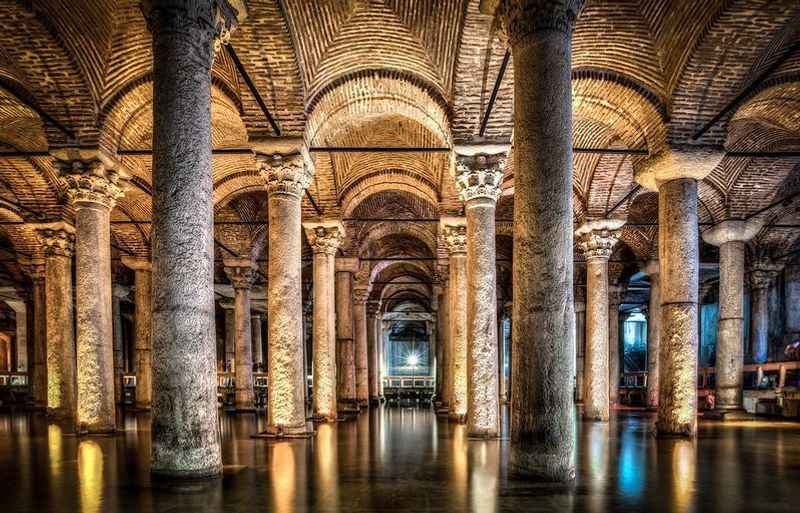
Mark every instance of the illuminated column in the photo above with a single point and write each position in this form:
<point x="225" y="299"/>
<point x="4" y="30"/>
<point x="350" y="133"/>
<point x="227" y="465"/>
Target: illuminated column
<point x="653" y="332"/>
<point x="21" y="333"/>
<point x="35" y="269"/>
<point x="93" y="186"/>
<point x="539" y="35"/>
<point x="229" y="310"/>
<point x="762" y="276"/>
<point x="508" y="307"/>
<point x="478" y="177"/>
<point x="360" y="297"/>
<point x="731" y="237"/>
<point x="58" y="240"/>
<point x="674" y="173"/>
<point x="443" y="375"/>
<point x="453" y="233"/>
<point x="117" y="293"/>
<point x="287" y="178"/>
<point x="501" y="359"/>
<point x="373" y="352"/>
<point x="580" y="340"/>
<point x="347" y="400"/>
<point x="241" y="273"/>
<point x="185" y="425"/>
<point x="597" y="239"/>
<point x="258" y="344"/>
<point x="614" y="298"/>
<point x="142" y="326"/>
<point x="324" y="239"/>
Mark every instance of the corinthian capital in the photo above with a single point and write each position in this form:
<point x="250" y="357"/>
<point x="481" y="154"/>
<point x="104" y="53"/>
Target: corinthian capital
<point x="360" y="295"/>
<point x="91" y="178"/>
<point x="284" y="174"/>
<point x="521" y="18"/>
<point x="240" y="271"/>
<point x="324" y="237"/>
<point x="479" y="176"/>
<point x="57" y="238"/>
<point x="214" y="19"/>
<point x="596" y="239"/>
<point x="763" y="272"/>
<point x="453" y="234"/>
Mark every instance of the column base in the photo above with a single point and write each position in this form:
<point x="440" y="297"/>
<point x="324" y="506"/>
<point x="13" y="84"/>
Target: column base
<point x="185" y="477"/>
<point x="324" y="419"/>
<point x="442" y="409"/>
<point x="84" y="430"/>
<point x="285" y="432"/>
<point x="363" y="403"/>
<point x="348" y="406"/>
<point x="535" y="463"/>
<point x="375" y="401"/>
<point x="245" y="408"/>
<point x="483" y="435"/>
<point x="59" y="414"/>
<point x="729" y="414"/>
<point x="141" y="406"/>
<point x="457" y="418"/>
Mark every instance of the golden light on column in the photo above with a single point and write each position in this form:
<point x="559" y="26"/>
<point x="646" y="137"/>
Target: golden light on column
<point x="282" y="477"/>
<point x="90" y="475"/>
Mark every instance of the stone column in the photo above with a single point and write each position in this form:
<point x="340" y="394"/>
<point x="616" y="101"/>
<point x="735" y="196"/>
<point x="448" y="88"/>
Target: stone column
<point x="373" y="352"/>
<point x="241" y="273"/>
<point x="478" y="179"/>
<point x="58" y="240"/>
<point x="539" y="34"/>
<point x="229" y="309"/>
<point x="762" y="276"/>
<point x="93" y="186"/>
<point x="453" y="232"/>
<point x="653" y="333"/>
<point x="35" y="269"/>
<point x="674" y="173"/>
<point x="443" y="375"/>
<point x="360" y="297"/>
<point x="508" y="308"/>
<point x="258" y="343"/>
<point x="324" y="239"/>
<point x="731" y="237"/>
<point x="580" y="340"/>
<point x="501" y="358"/>
<point x="185" y="425"/>
<point x="142" y="326"/>
<point x="287" y="178"/>
<point x="21" y="333"/>
<point x="345" y="342"/>
<point x="118" y="292"/>
<point x="597" y="240"/>
<point x="614" y="365"/>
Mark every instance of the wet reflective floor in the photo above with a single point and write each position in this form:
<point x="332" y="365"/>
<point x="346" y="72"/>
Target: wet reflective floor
<point x="405" y="459"/>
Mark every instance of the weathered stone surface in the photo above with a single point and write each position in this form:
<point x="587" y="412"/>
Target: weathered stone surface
<point x="653" y="333"/>
<point x="256" y="319"/>
<point x="373" y="319"/>
<point x="143" y="323"/>
<point x="360" y="297"/>
<point x="117" y="293"/>
<point x="677" y="162"/>
<point x="241" y="273"/>
<point x="614" y="297"/>
<point x="762" y="275"/>
<point x="454" y="236"/>
<point x="36" y="271"/>
<point x="347" y="401"/>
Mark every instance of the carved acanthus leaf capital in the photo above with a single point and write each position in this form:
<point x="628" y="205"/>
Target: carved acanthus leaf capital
<point x="91" y="181"/>
<point x="521" y="18"/>
<point x="763" y="273"/>
<point x="596" y="239"/>
<point x="57" y="238"/>
<point x="285" y="174"/>
<point x="479" y="176"/>
<point x="241" y="276"/>
<point x="324" y="237"/>
<point x="453" y="235"/>
<point x="212" y="20"/>
<point x="33" y="268"/>
<point x="360" y="295"/>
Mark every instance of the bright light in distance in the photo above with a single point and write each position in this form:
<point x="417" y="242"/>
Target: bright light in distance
<point x="412" y="360"/>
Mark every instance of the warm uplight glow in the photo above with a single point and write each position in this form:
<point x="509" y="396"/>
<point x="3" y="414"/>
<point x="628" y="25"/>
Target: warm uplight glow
<point x="90" y="471"/>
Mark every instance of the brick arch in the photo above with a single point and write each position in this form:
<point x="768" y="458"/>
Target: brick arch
<point x="22" y="237"/>
<point x="389" y="180"/>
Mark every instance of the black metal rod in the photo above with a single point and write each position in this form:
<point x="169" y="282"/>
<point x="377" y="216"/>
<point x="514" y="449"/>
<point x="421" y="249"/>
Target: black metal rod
<point x="146" y="152"/>
<point x="250" y="85"/>
<point x="611" y="151"/>
<point x="313" y="203"/>
<point x="763" y="154"/>
<point x="379" y="149"/>
<point x="747" y="91"/>
<point x="623" y="200"/>
<point x="499" y="80"/>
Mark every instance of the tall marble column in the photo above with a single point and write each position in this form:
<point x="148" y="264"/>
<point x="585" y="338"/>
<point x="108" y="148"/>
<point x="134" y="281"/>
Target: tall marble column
<point x="229" y="310"/>
<point x="287" y="178"/>
<point x="443" y="378"/>
<point x="324" y="239"/>
<point x="185" y="425"/>
<point x="93" y="185"/>
<point x="539" y="34"/>
<point x="501" y="357"/>
<point x="453" y="233"/>
<point x="597" y="239"/>
<point x="614" y="364"/>
<point x="258" y="342"/>
<point x="653" y="332"/>
<point x="35" y="269"/>
<point x="674" y="173"/>
<point x="58" y="240"/>
<point x="347" y="400"/>
<point x="118" y="292"/>
<point x="731" y="237"/>
<point x="20" y="308"/>
<point x="478" y="177"/>
<point x="241" y="273"/>
<point x="762" y="275"/>
<point x="360" y="298"/>
<point x="372" y="352"/>
<point x="142" y="328"/>
<point x="580" y="340"/>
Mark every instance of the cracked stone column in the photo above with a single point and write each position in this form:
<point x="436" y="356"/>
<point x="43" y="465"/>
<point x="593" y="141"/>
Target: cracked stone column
<point x="653" y="333"/>
<point x="373" y="353"/>
<point x="258" y="343"/>
<point x="142" y="329"/>
<point x="185" y="425"/>
<point x="478" y="177"/>
<point x="762" y="276"/>
<point x="360" y="297"/>
<point x="287" y="178"/>
<point x="241" y="273"/>
<point x="731" y="237"/>
<point x="542" y="419"/>
<point x="93" y="186"/>
<point x="324" y="239"/>
<point x="58" y="240"/>
<point x="453" y="233"/>
<point x="35" y="269"/>
<point x="347" y="400"/>
<point x="597" y="239"/>
<point x="674" y="173"/>
<point x="580" y="339"/>
<point x="614" y="298"/>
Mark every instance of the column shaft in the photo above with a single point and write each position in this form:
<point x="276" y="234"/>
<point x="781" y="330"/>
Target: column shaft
<point x="229" y="364"/>
<point x="458" y="336"/>
<point x="39" y="368"/>
<point x="119" y="346"/>
<point x="372" y="350"/>
<point x="258" y="344"/>
<point x="614" y="355"/>
<point x="324" y="337"/>
<point x="595" y="375"/>
<point x="445" y="379"/>
<point x="501" y="358"/>
<point x="361" y="350"/>
<point x="345" y="344"/>
<point x="580" y="345"/>
<point x="143" y="328"/>
<point x="653" y="344"/>
<point x="245" y="395"/>
<point x="759" y="322"/>
<point x="730" y="330"/>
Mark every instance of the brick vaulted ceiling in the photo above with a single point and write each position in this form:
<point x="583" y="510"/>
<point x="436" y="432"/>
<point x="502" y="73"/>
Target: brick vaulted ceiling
<point x="404" y="73"/>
